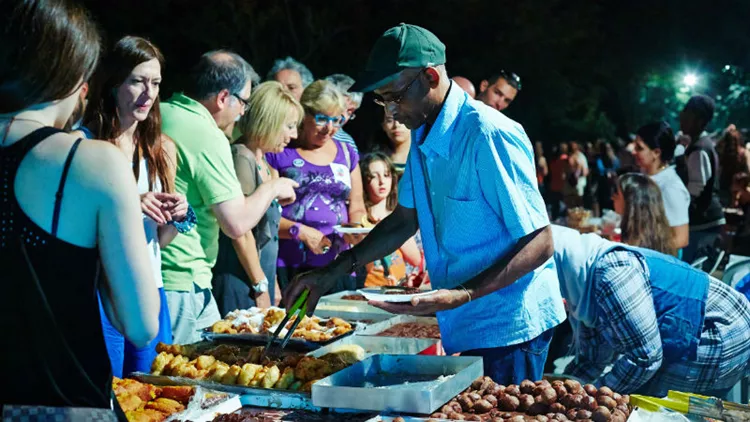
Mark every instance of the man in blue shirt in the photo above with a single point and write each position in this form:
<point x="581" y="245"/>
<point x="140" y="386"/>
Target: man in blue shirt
<point x="470" y="188"/>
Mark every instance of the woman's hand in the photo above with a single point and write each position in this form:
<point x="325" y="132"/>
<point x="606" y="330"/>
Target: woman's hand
<point x="316" y="241"/>
<point x="284" y="190"/>
<point x="175" y="204"/>
<point x="153" y="207"/>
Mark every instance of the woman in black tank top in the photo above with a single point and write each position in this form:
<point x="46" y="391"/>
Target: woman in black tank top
<point x="49" y="313"/>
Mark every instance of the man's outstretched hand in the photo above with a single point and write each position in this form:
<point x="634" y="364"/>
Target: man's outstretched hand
<point x="318" y="281"/>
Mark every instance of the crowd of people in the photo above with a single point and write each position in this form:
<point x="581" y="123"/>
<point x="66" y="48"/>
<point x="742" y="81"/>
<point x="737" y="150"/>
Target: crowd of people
<point x="128" y="220"/>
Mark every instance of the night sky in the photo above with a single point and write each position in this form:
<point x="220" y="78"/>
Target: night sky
<point x="583" y="63"/>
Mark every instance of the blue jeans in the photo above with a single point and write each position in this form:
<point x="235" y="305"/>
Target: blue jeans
<point x="513" y="364"/>
<point x="123" y="355"/>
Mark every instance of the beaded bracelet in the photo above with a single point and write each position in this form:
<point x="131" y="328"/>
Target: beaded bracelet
<point x="188" y="223"/>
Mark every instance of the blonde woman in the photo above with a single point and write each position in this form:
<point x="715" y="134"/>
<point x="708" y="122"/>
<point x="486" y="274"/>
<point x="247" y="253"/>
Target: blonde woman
<point x="330" y="187"/>
<point x="246" y="266"/>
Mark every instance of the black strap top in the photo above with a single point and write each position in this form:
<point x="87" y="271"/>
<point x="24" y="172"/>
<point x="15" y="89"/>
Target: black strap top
<point x="54" y="350"/>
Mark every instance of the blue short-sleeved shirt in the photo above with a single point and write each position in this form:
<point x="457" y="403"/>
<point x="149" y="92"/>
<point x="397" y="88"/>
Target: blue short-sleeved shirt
<point x="473" y="183"/>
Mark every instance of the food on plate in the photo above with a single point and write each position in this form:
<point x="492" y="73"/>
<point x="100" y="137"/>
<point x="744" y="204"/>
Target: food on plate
<point x="249" y="414"/>
<point x="354" y="297"/>
<point x="294" y="372"/>
<point x="401" y="291"/>
<point x="535" y="401"/>
<point x="412" y="330"/>
<point x="264" y="321"/>
<point x="148" y="403"/>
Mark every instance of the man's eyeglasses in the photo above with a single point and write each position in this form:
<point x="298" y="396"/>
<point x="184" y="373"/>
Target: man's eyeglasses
<point x="322" y="120"/>
<point x="245" y="103"/>
<point x="398" y="96"/>
<point x="513" y="79"/>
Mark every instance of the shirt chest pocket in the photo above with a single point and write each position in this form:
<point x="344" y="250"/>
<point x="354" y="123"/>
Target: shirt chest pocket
<point x="465" y="224"/>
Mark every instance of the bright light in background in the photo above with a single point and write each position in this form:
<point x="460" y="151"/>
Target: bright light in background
<point x="690" y="80"/>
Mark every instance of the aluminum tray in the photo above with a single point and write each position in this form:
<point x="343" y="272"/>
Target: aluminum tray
<point x="398" y="383"/>
<point x="263" y="397"/>
<point x="381" y="345"/>
<point x="333" y="302"/>
<point x="262" y="339"/>
<point x="377" y="328"/>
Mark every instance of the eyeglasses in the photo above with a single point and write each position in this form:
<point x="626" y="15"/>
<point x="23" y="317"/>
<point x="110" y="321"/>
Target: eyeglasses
<point x="245" y="103"/>
<point x="513" y="79"/>
<point x="322" y="120"/>
<point x="397" y="97"/>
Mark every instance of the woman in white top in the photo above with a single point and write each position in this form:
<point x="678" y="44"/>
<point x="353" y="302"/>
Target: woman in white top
<point x="124" y="109"/>
<point x="654" y="150"/>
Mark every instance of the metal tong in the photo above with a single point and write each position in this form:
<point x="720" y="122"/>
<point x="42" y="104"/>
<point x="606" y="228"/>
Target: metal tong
<point x="300" y="310"/>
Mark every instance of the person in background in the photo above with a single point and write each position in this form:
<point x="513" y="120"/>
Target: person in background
<point x="658" y="323"/>
<point x="218" y="92"/>
<point x="654" y="146"/>
<point x="625" y="152"/>
<point x="330" y="188"/>
<point x="607" y="165"/>
<point x="733" y="159"/>
<point x="381" y="197"/>
<point x="741" y="200"/>
<point x="470" y="187"/>
<point x="249" y="261"/>
<point x="69" y="209"/>
<point x="466" y="85"/>
<point x="577" y="173"/>
<point x="699" y="170"/>
<point x="294" y="75"/>
<point x="558" y="173"/>
<point x="499" y="90"/>
<point x="353" y="102"/>
<point x="644" y="222"/>
<point x="542" y="170"/>
<point x="124" y="110"/>
<point x="399" y="141"/>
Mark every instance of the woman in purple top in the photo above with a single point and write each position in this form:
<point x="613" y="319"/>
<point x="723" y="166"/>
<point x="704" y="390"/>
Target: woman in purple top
<point x="330" y="187"/>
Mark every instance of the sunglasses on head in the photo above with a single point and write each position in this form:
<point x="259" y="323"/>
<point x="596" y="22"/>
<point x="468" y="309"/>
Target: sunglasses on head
<point x="513" y="79"/>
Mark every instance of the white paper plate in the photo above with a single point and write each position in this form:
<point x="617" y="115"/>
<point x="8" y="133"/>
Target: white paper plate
<point x="376" y="294"/>
<point x="352" y="230"/>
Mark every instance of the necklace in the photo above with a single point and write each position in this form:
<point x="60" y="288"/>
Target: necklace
<point x="260" y="168"/>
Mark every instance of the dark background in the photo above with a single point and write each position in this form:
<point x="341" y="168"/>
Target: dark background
<point x="589" y="68"/>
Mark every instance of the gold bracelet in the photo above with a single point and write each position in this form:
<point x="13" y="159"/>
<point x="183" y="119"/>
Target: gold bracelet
<point x="466" y="290"/>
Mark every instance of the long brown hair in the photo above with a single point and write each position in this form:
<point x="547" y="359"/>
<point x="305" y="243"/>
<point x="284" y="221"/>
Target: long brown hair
<point x="101" y="114"/>
<point x="47" y="47"/>
<point x="644" y="222"/>
<point x="364" y="165"/>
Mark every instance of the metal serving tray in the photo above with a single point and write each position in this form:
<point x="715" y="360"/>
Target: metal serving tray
<point x="380" y="345"/>
<point x="333" y="302"/>
<point x="377" y="328"/>
<point x="398" y="383"/>
<point x="263" y="397"/>
<point x="262" y="339"/>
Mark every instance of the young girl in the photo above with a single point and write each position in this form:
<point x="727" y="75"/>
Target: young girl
<point x="381" y="197"/>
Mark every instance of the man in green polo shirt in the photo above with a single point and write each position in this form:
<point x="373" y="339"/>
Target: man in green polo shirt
<point x="217" y="95"/>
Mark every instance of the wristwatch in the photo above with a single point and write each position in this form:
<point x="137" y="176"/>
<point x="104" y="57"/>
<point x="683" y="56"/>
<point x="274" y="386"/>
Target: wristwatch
<point x="262" y="286"/>
<point x="294" y="231"/>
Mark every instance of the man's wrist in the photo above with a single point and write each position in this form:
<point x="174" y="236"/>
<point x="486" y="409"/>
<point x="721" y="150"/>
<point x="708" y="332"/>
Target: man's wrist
<point x="345" y="263"/>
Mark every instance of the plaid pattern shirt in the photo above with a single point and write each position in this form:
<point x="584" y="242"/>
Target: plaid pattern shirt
<point x="627" y="336"/>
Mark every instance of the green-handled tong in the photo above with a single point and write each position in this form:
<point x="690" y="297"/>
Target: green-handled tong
<point x="300" y="309"/>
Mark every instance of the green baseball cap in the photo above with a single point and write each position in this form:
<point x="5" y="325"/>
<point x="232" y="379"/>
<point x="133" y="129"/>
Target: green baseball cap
<point x="401" y="47"/>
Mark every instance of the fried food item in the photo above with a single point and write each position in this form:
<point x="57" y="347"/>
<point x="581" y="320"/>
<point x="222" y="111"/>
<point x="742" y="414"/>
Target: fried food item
<point x="258" y="377"/>
<point x="161" y="361"/>
<point x="129" y="402"/>
<point x="307" y="387"/>
<point x="217" y="372"/>
<point x="145" y="415"/>
<point x="349" y="354"/>
<point x="180" y="393"/>
<point x="230" y="378"/>
<point x="272" y="377"/>
<point x="165" y="405"/>
<point x="310" y="335"/>
<point x="123" y="387"/>
<point x="273" y="318"/>
<point x="287" y="378"/>
<point x="247" y="373"/>
<point x="174" y="364"/>
<point x="338" y="322"/>
<point x="204" y="361"/>
<point x="187" y="370"/>
<point x="310" y="368"/>
<point x="223" y="327"/>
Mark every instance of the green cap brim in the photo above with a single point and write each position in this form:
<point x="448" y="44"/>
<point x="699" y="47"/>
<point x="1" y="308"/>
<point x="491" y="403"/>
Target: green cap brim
<point x="370" y="81"/>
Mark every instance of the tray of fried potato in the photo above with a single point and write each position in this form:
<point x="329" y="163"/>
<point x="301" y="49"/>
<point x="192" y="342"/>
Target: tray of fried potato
<point x="256" y="325"/>
<point x="294" y="373"/>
